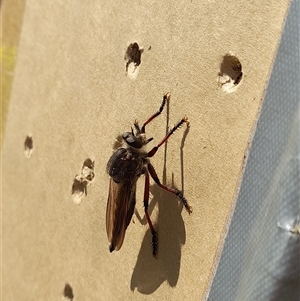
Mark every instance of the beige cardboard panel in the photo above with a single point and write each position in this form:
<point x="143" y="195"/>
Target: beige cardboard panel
<point x="72" y="94"/>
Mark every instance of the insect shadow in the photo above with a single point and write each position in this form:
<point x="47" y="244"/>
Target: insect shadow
<point x="149" y="274"/>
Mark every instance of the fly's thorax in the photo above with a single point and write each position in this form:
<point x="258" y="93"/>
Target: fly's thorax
<point x="125" y="165"/>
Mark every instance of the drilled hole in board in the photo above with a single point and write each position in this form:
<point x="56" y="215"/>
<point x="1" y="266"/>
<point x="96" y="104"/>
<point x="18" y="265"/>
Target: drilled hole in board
<point x="133" y="57"/>
<point x="28" y="146"/>
<point x="230" y="74"/>
<point x="83" y="180"/>
<point x="68" y="292"/>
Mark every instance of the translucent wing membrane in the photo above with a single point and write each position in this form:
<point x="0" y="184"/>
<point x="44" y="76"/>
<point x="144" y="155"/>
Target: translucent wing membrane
<point x="120" y="207"/>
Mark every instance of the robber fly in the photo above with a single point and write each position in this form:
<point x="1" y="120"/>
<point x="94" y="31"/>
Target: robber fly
<point x="125" y="166"/>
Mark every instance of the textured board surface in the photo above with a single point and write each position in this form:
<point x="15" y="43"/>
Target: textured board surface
<point x="72" y="94"/>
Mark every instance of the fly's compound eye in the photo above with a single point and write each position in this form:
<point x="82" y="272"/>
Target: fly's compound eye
<point x="132" y="141"/>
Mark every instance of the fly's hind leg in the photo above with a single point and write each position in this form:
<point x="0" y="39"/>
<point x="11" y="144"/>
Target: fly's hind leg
<point x="170" y="189"/>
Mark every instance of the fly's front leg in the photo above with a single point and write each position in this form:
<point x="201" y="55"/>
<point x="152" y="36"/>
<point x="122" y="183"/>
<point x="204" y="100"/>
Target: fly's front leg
<point x="138" y="131"/>
<point x="170" y="189"/>
<point x="146" y="203"/>
<point x="165" y="99"/>
<point x="177" y="126"/>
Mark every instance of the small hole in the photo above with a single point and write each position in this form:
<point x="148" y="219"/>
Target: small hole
<point x="88" y="170"/>
<point x="28" y="146"/>
<point x="68" y="292"/>
<point x="230" y="74"/>
<point x="82" y="181"/>
<point x="78" y="189"/>
<point x="133" y="57"/>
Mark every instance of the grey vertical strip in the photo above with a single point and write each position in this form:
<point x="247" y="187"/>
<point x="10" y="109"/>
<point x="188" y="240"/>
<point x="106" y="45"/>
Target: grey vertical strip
<point x="261" y="258"/>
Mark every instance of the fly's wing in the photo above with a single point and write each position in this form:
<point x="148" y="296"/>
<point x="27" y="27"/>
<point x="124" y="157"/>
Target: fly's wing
<point x="120" y="207"/>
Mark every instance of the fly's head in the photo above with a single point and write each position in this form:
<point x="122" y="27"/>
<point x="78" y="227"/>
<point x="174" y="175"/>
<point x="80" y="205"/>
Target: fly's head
<point x="136" y="139"/>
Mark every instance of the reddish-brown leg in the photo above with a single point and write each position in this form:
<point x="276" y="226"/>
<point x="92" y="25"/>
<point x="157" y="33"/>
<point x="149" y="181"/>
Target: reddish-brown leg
<point x="170" y="189"/>
<point x="177" y="126"/>
<point x="165" y="99"/>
